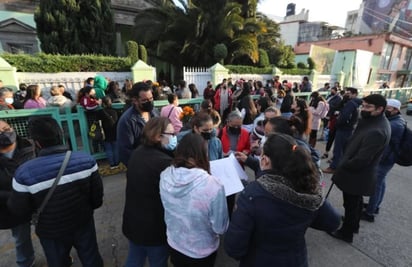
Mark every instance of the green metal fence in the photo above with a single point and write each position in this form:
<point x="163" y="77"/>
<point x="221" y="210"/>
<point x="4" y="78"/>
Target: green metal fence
<point x="76" y="124"/>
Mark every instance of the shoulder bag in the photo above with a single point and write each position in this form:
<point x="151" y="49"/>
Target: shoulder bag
<point x="35" y="216"/>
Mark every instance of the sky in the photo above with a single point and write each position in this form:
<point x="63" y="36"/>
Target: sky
<point x="332" y="11"/>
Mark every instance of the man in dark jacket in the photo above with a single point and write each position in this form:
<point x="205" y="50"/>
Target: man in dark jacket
<point x="356" y="172"/>
<point x="14" y="151"/>
<point x="346" y="122"/>
<point x="398" y="125"/>
<point x="67" y="219"/>
<point x="131" y="123"/>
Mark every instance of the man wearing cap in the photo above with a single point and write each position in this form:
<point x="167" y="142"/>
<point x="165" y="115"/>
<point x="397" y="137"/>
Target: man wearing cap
<point x="356" y="172"/>
<point x="397" y="124"/>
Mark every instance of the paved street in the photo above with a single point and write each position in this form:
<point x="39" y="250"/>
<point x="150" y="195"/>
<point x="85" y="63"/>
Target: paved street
<point x="386" y="242"/>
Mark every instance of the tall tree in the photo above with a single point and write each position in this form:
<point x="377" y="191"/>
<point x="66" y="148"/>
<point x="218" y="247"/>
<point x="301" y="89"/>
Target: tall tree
<point x="188" y="34"/>
<point x="75" y="26"/>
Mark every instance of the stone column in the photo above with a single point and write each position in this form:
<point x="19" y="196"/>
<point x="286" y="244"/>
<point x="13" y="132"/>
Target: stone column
<point x="141" y="71"/>
<point x="218" y="72"/>
<point x="8" y="75"/>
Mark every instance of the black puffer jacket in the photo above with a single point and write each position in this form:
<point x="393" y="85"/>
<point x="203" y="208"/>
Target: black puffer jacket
<point x="79" y="192"/>
<point x="24" y="152"/>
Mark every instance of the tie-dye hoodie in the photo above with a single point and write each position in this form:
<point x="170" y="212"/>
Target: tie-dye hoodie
<point x="195" y="210"/>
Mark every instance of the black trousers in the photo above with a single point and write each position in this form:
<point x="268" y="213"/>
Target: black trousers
<point x="230" y="201"/>
<point x="331" y="138"/>
<point x="180" y="260"/>
<point x="353" y="205"/>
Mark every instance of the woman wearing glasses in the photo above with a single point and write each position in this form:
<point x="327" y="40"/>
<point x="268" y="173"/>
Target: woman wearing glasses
<point x="143" y="217"/>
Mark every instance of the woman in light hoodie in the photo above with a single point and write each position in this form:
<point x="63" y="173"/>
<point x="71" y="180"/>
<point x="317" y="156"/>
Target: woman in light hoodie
<point x="194" y="203"/>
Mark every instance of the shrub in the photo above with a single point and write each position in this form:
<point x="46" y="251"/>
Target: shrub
<point x="301" y="65"/>
<point x="311" y="63"/>
<point x="220" y="52"/>
<point x="73" y="63"/>
<point x="143" y="53"/>
<point x="132" y="51"/>
<point x="263" y="58"/>
<point x="242" y="69"/>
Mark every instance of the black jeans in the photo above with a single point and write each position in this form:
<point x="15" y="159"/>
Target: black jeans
<point x="353" y="205"/>
<point x="331" y="138"/>
<point x="180" y="260"/>
<point x="57" y="250"/>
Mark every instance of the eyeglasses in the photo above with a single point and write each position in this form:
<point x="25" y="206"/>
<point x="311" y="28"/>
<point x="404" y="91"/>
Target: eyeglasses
<point x="165" y="133"/>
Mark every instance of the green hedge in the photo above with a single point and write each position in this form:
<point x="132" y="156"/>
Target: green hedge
<point x="73" y="63"/>
<point x="295" y="71"/>
<point x="241" y="69"/>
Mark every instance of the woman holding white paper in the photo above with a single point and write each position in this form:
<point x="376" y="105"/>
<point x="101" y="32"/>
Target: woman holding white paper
<point x="273" y="213"/>
<point x="194" y="203"/>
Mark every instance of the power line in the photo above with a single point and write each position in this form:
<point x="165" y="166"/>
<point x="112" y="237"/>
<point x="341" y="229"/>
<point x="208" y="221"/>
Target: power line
<point x="383" y="20"/>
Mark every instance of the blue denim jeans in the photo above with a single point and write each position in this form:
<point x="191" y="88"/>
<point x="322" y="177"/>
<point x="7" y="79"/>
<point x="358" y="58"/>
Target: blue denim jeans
<point x="24" y="246"/>
<point x="57" y="250"/>
<point x="157" y="255"/>
<point x="376" y="199"/>
<point x="341" y="139"/>
<point x="112" y="153"/>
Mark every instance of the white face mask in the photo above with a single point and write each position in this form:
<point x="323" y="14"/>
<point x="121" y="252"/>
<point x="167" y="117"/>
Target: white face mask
<point x="262" y="141"/>
<point x="9" y="100"/>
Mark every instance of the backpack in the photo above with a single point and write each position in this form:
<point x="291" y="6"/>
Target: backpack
<point x="96" y="132"/>
<point x="403" y="156"/>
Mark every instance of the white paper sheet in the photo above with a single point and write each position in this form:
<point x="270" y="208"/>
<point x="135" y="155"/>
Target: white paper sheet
<point x="229" y="172"/>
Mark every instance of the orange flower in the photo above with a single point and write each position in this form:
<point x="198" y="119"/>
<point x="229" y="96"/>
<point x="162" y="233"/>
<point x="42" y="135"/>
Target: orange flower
<point x="187" y="114"/>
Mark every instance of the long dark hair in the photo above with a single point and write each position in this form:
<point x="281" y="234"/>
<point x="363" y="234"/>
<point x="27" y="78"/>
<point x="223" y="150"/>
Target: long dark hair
<point x="304" y="114"/>
<point x="292" y="162"/>
<point x="191" y="152"/>
<point x="199" y="119"/>
<point x="315" y="99"/>
<point x="31" y="92"/>
<point x="280" y="125"/>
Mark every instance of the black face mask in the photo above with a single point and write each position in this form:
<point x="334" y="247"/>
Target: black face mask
<point x="206" y="135"/>
<point x="292" y="110"/>
<point x="366" y="114"/>
<point x="346" y="98"/>
<point x="388" y="113"/>
<point x="7" y="138"/>
<point x="234" y="130"/>
<point x="147" y="106"/>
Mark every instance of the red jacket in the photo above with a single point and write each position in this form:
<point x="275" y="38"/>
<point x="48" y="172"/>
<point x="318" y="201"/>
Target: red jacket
<point x="217" y="99"/>
<point x="89" y="103"/>
<point x="243" y="143"/>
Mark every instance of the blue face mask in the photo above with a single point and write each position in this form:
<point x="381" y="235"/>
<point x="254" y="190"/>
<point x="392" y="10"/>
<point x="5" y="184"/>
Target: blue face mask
<point x="172" y="143"/>
<point x="8" y="155"/>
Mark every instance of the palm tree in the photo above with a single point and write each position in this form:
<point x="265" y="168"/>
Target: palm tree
<point x="186" y="35"/>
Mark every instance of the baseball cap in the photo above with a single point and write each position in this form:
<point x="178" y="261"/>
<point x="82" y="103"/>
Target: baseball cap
<point x="395" y="103"/>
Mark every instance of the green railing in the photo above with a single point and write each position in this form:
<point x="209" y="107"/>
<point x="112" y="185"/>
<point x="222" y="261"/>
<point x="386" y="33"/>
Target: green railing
<point x="76" y="124"/>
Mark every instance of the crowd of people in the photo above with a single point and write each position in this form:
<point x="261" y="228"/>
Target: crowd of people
<point x="174" y="207"/>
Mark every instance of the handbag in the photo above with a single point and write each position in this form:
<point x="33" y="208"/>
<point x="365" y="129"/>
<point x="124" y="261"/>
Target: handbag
<point x="96" y="131"/>
<point x="35" y="216"/>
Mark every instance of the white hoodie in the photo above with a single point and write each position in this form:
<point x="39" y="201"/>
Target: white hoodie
<point x="195" y="210"/>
